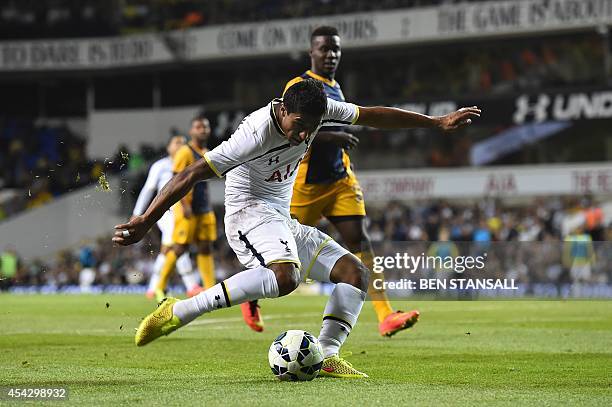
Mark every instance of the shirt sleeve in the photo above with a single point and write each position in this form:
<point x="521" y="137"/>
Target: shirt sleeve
<point x="147" y="192"/>
<point x="182" y="159"/>
<point x="242" y="146"/>
<point x="292" y="82"/>
<point x="340" y="112"/>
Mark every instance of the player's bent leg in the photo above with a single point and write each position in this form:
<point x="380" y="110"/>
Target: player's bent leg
<point x="325" y="260"/>
<point x="353" y="232"/>
<point x="349" y="270"/>
<point x="261" y="237"/>
<point x="248" y="285"/>
<point x="287" y="277"/>
<point x="340" y="315"/>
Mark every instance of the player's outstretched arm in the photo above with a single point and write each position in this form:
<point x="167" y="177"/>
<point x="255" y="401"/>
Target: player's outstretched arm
<point x="394" y="118"/>
<point x="174" y="190"/>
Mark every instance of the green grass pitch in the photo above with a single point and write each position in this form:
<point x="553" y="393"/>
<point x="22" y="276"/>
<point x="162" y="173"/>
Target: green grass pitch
<point x="460" y="353"/>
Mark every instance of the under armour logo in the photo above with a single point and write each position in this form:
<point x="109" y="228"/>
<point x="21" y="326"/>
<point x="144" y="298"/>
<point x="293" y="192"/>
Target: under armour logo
<point x="273" y="160"/>
<point x="218" y="301"/>
<point x="286" y="245"/>
<point x="539" y="109"/>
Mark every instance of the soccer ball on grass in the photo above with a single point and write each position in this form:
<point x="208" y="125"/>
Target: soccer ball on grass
<point x="295" y="355"/>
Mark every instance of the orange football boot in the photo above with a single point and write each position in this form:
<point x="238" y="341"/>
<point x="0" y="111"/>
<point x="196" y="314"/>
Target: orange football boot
<point x="252" y="316"/>
<point x="398" y="321"/>
<point x="195" y="290"/>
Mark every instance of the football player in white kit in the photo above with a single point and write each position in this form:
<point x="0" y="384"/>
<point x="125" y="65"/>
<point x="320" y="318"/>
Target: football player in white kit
<point x="159" y="174"/>
<point x="260" y="162"/>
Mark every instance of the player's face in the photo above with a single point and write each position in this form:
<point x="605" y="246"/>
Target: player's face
<point x="174" y="144"/>
<point x="325" y="54"/>
<point x="200" y="130"/>
<point x="298" y="126"/>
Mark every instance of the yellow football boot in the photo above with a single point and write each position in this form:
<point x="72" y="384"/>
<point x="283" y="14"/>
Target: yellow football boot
<point x="335" y="366"/>
<point x="160" y="322"/>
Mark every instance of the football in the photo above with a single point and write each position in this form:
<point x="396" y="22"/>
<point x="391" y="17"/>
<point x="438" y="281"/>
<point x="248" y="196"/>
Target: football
<point x="295" y="355"/>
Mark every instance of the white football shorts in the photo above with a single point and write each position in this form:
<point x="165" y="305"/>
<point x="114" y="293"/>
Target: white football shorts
<point x="262" y="235"/>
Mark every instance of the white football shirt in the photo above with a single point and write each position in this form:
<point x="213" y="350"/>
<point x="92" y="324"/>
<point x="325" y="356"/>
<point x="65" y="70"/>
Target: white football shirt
<point x="259" y="163"/>
<point x="159" y="175"/>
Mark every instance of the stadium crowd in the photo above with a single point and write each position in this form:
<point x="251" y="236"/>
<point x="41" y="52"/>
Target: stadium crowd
<point x="65" y="18"/>
<point x="39" y="162"/>
<point x="489" y="69"/>
<point x="391" y="226"/>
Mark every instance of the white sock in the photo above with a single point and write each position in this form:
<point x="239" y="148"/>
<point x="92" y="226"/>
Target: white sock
<point x="157" y="266"/>
<point x="339" y="317"/>
<point x="185" y="269"/>
<point x="248" y="285"/>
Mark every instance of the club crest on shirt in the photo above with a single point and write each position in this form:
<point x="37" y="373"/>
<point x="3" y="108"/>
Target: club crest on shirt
<point x="286" y="243"/>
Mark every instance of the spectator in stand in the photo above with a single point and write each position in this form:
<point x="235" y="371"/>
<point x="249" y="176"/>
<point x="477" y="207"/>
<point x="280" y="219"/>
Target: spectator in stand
<point x="394" y="222"/>
<point x="9" y="264"/>
<point x="46" y="161"/>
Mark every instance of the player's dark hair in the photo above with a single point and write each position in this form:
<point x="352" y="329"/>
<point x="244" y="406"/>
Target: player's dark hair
<point x="324" y="30"/>
<point x="198" y="117"/>
<point x="307" y="96"/>
<point x="173" y="135"/>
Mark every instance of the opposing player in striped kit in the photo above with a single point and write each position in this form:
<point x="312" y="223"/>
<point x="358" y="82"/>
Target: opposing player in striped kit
<point x="326" y="185"/>
<point x="194" y="220"/>
<point x="159" y="174"/>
